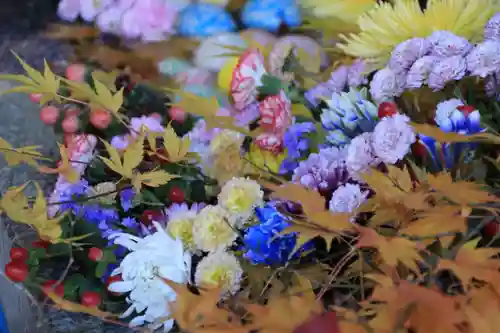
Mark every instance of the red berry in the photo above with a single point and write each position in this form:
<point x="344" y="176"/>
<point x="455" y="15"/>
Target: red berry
<point x="150" y="215"/>
<point x="70" y="124"/>
<point x="491" y="229"/>
<point x="112" y="279"/>
<point x="95" y="254"/>
<point x="35" y="98"/>
<point x="91" y="299"/>
<point x="100" y="118"/>
<point x="177" y="114"/>
<point x="387" y="109"/>
<point x="466" y="109"/>
<point x="19" y="254"/>
<point x="322" y="323"/>
<point x="16" y="271"/>
<point x="75" y="72"/>
<point x="50" y="286"/>
<point x="49" y="114"/>
<point x="176" y="194"/>
<point x="42" y="244"/>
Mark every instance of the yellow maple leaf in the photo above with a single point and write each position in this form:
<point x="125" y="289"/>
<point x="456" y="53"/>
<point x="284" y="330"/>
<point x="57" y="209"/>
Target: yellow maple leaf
<point x="436" y="133"/>
<point x="16" y="156"/>
<point x="153" y="179"/>
<point x="393" y="250"/>
<point x="439" y="220"/>
<point x="177" y="148"/>
<point x="14" y="203"/>
<point x="65" y="168"/>
<point x="46" y="84"/>
<point x="132" y="157"/>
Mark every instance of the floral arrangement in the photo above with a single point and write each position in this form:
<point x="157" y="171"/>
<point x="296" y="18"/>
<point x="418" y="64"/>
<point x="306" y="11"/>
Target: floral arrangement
<point x="365" y="203"/>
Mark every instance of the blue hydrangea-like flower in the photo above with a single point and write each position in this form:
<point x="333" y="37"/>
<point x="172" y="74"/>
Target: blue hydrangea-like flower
<point x="348" y="115"/>
<point x="270" y="14"/>
<point x="263" y="246"/>
<point x="453" y="116"/>
<point x="297" y="142"/>
<point x="204" y="20"/>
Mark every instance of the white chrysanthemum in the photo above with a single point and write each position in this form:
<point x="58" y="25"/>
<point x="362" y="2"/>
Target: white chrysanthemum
<point x="347" y="198"/>
<point x="483" y="60"/>
<point x="360" y="155"/>
<point x="220" y="269"/>
<point x="212" y="229"/>
<point x="387" y="84"/>
<point x="150" y="259"/>
<point x="239" y="197"/>
<point x="392" y="138"/>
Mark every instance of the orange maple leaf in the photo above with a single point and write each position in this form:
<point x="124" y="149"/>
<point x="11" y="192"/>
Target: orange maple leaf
<point x="393" y="250"/>
<point x="64" y="168"/>
<point x="438" y="220"/>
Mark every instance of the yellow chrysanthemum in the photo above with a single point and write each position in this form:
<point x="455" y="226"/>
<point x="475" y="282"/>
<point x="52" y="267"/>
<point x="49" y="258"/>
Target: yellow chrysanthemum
<point x="387" y="25"/>
<point x="225" y="160"/>
<point x="219" y="269"/>
<point x="212" y="229"/>
<point x="182" y="228"/>
<point x="240" y="196"/>
<point x="345" y="10"/>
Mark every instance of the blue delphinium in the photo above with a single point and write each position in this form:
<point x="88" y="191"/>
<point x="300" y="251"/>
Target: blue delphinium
<point x="270" y="14"/>
<point x="453" y="116"/>
<point x="261" y="243"/>
<point x="297" y="141"/>
<point x="126" y="198"/>
<point x="204" y="20"/>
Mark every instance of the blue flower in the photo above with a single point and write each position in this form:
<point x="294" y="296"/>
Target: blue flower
<point x="262" y="244"/>
<point x="453" y="116"/>
<point x="126" y="198"/>
<point x="270" y="14"/>
<point x="204" y="20"/>
<point x="297" y="143"/>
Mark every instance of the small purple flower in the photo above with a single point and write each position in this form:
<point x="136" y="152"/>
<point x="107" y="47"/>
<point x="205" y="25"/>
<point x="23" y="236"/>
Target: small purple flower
<point x="131" y="223"/>
<point x="356" y="75"/>
<point x="360" y="154"/>
<point x="446" y="44"/>
<point x="492" y="85"/>
<point x="492" y="28"/>
<point x="418" y="74"/>
<point x="407" y="52"/>
<point x="126" y="198"/>
<point x="120" y="142"/>
<point x="323" y="171"/>
<point x="387" y="84"/>
<point x="447" y="70"/>
<point x="392" y="138"/>
<point x="297" y="143"/>
<point x="484" y="59"/>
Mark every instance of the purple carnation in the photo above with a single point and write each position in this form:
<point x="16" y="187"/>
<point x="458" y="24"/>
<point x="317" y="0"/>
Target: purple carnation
<point x="446" y="70"/>
<point x="406" y="53"/>
<point x="392" y="138"/>
<point x="356" y="75"/>
<point x="323" y="171"/>
<point x="387" y="84"/>
<point x="492" y="28"/>
<point x="335" y="84"/>
<point x="446" y="44"/>
<point x="360" y="154"/>
<point x="484" y="59"/>
<point x="347" y="198"/>
<point x="418" y="74"/>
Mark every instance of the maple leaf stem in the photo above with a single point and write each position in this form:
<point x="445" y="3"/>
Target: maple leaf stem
<point x="27" y="154"/>
<point x="336" y="270"/>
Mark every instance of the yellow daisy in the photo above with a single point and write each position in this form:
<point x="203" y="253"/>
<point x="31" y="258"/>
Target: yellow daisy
<point x="387" y="25"/>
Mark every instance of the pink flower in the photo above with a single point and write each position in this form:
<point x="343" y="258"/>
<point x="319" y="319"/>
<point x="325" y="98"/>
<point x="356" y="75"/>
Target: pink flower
<point x="276" y="114"/>
<point x="150" y="20"/>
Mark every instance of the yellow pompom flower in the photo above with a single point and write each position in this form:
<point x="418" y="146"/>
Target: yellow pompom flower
<point x="387" y="25"/>
<point x="225" y="75"/>
<point x="212" y="229"/>
<point x="225" y="160"/>
<point x="239" y="197"/>
<point x="220" y="269"/>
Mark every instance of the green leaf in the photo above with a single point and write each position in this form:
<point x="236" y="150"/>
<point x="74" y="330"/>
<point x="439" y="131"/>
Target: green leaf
<point x="271" y="85"/>
<point x="101" y="268"/>
<point x="73" y="284"/>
